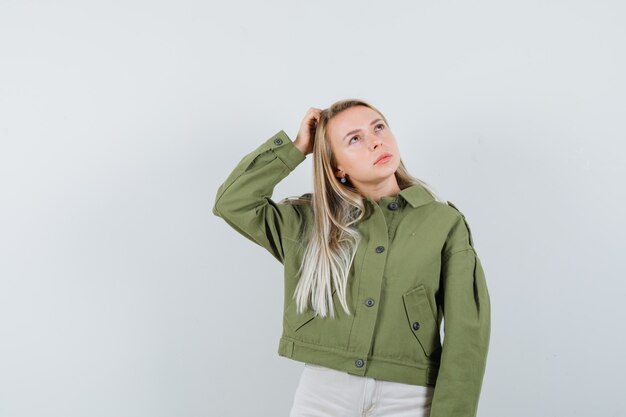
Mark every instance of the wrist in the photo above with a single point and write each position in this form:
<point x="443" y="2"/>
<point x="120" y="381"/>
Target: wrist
<point x="300" y="147"/>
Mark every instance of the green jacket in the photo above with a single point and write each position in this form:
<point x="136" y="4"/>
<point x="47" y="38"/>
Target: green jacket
<point x="415" y="265"/>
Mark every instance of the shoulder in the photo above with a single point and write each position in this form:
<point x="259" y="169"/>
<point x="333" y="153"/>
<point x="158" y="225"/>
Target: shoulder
<point x="446" y="211"/>
<point x="460" y="235"/>
<point x="300" y="204"/>
<point x="302" y="199"/>
<point x="453" y="209"/>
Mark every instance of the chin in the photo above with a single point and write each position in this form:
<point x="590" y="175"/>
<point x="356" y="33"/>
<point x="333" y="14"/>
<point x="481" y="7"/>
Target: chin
<point x="393" y="166"/>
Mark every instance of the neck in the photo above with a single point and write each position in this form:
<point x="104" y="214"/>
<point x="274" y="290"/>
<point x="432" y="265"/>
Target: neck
<point x="388" y="187"/>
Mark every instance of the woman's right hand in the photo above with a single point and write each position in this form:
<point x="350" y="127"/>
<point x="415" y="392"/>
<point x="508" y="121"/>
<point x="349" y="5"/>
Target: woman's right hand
<point x="306" y="134"/>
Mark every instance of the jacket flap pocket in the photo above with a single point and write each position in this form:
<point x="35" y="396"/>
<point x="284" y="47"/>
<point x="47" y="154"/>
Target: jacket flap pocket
<point x="421" y="320"/>
<point x="295" y="320"/>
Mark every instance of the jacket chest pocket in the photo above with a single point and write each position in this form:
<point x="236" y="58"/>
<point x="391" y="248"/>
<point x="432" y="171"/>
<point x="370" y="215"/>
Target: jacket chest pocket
<point x="421" y="320"/>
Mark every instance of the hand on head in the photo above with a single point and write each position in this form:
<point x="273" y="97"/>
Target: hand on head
<point x="306" y="134"/>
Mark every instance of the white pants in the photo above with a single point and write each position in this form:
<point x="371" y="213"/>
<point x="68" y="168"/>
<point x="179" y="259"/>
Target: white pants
<point x="326" y="392"/>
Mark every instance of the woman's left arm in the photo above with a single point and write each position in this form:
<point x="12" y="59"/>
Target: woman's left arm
<point x="467" y="327"/>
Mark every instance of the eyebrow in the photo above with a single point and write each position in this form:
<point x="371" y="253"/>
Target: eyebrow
<point x="358" y="130"/>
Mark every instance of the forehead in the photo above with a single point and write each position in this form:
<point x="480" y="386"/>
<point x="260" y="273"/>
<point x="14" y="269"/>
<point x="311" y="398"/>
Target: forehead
<point x="357" y="117"/>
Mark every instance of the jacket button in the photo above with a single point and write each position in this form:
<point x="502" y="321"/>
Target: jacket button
<point x="369" y="302"/>
<point x="380" y="249"/>
<point x="393" y="205"/>
<point x="359" y="363"/>
<point x="278" y="141"/>
<point x="416" y="325"/>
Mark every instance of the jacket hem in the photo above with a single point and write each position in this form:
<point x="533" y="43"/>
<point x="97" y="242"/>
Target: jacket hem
<point x="373" y="367"/>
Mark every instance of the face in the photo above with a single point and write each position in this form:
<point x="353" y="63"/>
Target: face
<point x="359" y="136"/>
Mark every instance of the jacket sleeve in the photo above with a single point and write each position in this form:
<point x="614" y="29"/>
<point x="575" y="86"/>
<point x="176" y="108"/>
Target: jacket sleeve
<point x="467" y="327"/>
<point x="244" y="199"/>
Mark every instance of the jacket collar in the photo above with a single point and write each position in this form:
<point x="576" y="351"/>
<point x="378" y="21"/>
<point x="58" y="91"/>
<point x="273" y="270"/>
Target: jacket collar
<point x="416" y="195"/>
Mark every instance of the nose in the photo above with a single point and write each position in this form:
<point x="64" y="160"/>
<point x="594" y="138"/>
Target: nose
<point x="375" y="142"/>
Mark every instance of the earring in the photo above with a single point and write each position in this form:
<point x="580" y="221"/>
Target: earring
<point x="343" y="180"/>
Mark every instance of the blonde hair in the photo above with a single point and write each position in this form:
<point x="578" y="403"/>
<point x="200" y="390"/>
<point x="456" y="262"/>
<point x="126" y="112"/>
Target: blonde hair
<point x="337" y="208"/>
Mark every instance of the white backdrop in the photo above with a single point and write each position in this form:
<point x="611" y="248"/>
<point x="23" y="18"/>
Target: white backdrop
<point x="122" y="295"/>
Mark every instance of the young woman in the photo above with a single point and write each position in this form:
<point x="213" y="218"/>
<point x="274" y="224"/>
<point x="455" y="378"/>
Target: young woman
<point x="373" y="263"/>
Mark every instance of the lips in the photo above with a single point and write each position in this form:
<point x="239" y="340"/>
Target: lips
<point x="382" y="156"/>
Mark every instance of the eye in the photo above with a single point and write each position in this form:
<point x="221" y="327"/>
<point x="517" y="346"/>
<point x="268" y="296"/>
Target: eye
<point x="381" y="125"/>
<point x="350" y="141"/>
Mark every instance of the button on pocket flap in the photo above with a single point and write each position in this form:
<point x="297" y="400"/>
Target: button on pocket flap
<point x="421" y="320"/>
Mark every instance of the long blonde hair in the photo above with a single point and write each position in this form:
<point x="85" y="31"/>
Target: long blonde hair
<point x="337" y="208"/>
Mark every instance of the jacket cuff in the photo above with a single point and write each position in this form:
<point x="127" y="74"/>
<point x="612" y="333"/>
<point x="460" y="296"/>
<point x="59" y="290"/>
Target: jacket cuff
<point x="285" y="150"/>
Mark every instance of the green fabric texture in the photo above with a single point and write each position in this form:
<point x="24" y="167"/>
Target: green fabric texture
<point x="416" y="267"/>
